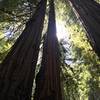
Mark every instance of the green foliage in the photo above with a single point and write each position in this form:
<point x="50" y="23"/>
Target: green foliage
<point x="9" y="4"/>
<point x="5" y="45"/>
<point x="83" y="73"/>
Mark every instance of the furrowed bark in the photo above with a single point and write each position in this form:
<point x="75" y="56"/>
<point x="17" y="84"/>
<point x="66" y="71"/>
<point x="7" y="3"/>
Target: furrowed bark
<point x="89" y="13"/>
<point x="18" y="68"/>
<point x="48" y="78"/>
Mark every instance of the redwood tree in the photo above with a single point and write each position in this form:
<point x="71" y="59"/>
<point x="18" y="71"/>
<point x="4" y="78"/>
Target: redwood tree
<point x="48" y="78"/>
<point x="89" y="13"/>
<point x="18" y="68"/>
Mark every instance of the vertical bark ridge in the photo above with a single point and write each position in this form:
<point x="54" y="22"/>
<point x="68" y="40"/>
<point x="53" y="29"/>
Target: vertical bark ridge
<point x="18" y="68"/>
<point x="89" y="13"/>
<point x="48" y="78"/>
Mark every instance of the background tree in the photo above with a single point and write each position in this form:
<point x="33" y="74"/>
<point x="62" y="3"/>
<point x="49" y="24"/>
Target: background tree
<point x="48" y="78"/>
<point x="89" y="15"/>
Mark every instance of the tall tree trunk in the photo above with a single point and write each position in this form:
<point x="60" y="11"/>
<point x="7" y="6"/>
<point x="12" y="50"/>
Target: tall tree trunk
<point x="89" y="13"/>
<point x="48" y="78"/>
<point x="18" y="69"/>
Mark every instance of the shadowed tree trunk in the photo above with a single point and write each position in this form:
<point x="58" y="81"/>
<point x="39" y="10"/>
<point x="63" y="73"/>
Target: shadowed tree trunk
<point x="48" y="78"/>
<point x="89" y="13"/>
<point x="18" y="69"/>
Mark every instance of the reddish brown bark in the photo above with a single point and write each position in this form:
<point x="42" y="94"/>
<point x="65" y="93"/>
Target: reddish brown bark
<point x="18" y="69"/>
<point x="48" y="78"/>
<point x="89" y="13"/>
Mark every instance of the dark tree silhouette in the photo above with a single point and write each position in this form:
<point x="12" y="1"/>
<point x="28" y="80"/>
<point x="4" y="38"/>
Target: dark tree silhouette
<point x="89" y="13"/>
<point x="48" y="78"/>
<point x="18" y="68"/>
